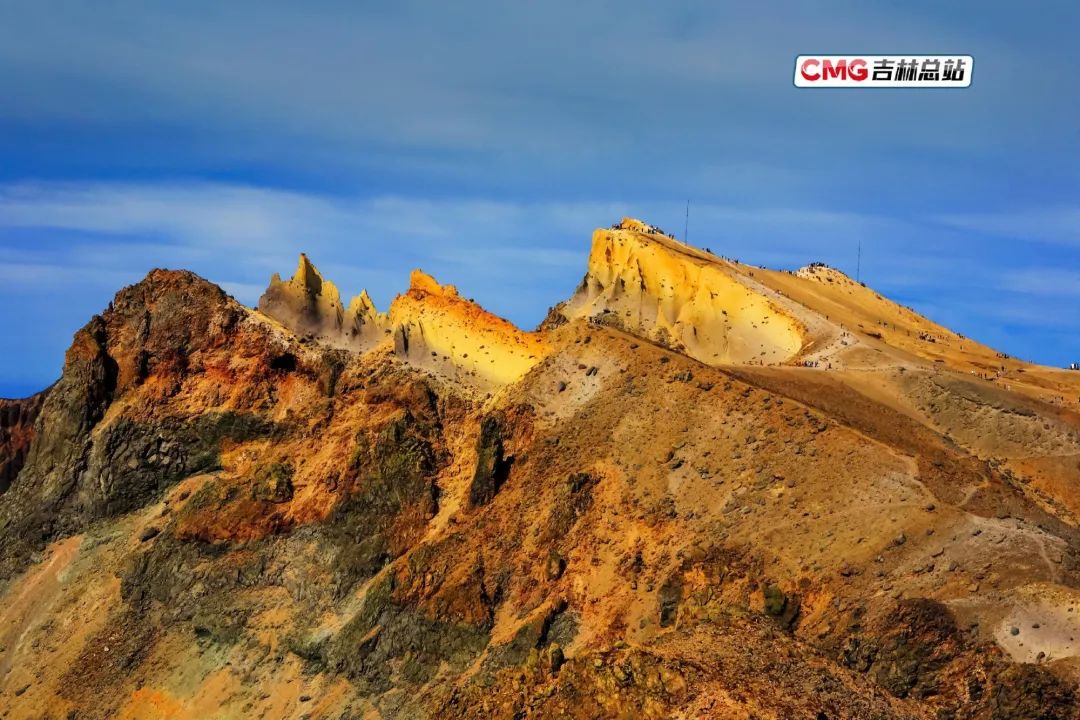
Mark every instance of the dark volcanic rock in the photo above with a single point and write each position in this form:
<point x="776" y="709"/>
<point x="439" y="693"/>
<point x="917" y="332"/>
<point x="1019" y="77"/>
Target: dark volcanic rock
<point x="492" y="465"/>
<point x="17" y="419"/>
<point x="80" y="467"/>
<point x="917" y="651"/>
<point x="384" y="632"/>
<point x="557" y="626"/>
<point x="397" y="496"/>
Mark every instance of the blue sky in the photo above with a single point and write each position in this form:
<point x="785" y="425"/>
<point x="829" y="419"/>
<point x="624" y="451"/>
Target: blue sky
<point x="484" y="141"/>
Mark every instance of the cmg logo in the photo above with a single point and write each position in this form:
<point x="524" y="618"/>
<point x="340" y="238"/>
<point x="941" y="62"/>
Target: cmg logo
<point x="813" y="71"/>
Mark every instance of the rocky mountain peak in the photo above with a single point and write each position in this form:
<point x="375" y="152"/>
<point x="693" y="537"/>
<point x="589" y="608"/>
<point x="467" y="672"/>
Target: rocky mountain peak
<point x="647" y="283"/>
<point x="421" y="282"/>
<point x="309" y="305"/>
<point x="308" y="278"/>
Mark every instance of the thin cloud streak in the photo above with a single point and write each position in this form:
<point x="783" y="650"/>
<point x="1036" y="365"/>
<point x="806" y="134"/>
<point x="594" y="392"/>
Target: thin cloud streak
<point x="1055" y="225"/>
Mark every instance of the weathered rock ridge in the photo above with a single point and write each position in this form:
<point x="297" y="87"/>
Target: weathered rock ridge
<point x="311" y="306"/>
<point x="232" y="511"/>
<point x="430" y="325"/>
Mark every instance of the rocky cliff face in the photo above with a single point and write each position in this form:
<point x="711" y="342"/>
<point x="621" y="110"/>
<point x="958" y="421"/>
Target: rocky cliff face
<point x="430" y="325"/>
<point x="436" y="328"/>
<point x="17" y="418"/>
<point x="653" y="286"/>
<point x="150" y="390"/>
<point x="219" y="515"/>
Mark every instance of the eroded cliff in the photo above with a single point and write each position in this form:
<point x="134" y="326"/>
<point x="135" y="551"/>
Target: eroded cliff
<point x="653" y="286"/>
<point x="17" y="418"/>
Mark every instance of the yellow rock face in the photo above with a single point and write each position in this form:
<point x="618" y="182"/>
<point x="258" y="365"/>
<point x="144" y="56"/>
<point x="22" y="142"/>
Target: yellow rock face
<point x="437" y="329"/>
<point x="651" y="285"/>
<point x="431" y="325"/>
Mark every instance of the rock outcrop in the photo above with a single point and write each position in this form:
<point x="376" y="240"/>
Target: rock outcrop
<point x="17" y="418"/>
<point x="435" y="328"/>
<point x="309" y="305"/>
<point x="179" y="353"/>
<point x="652" y="285"/>
<point x="431" y="325"/>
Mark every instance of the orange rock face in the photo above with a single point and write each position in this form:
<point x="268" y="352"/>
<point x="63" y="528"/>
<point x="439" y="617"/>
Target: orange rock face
<point x="437" y="329"/>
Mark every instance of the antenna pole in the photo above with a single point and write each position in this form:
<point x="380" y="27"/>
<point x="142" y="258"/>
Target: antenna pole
<point x="858" y="264"/>
<point x="686" y="226"/>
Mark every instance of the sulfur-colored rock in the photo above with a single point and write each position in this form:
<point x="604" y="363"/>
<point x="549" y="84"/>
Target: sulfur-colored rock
<point x="656" y="287"/>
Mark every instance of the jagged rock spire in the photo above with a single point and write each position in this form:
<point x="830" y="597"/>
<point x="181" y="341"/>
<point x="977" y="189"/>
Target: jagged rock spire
<point x="309" y="304"/>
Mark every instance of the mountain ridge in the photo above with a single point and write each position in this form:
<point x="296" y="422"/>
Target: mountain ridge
<point x="246" y="511"/>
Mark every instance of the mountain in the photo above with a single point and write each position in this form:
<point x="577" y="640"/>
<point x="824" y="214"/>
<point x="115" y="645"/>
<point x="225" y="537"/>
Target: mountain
<point x="699" y="489"/>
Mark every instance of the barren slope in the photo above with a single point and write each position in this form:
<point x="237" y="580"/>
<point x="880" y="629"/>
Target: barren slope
<point x="220" y="516"/>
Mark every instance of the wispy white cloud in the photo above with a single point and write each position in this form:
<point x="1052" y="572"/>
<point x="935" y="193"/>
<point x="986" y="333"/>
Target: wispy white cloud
<point x="1055" y="225"/>
<point x="238" y="229"/>
<point x="242" y="233"/>
<point x="193" y="214"/>
<point x="21" y="276"/>
<point x="238" y="235"/>
<point x="1045" y="282"/>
